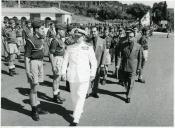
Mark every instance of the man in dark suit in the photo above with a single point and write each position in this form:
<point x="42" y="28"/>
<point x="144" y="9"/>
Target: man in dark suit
<point x="130" y="56"/>
<point x="99" y="48"/>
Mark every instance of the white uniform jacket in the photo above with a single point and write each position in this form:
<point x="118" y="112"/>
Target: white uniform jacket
<point x="79" y="62"/>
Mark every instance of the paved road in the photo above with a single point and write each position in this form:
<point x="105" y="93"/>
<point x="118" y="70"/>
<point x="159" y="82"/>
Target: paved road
<point x="151" y="103"/>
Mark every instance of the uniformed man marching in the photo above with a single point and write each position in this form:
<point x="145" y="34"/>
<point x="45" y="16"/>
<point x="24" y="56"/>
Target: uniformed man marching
<point x="108" y="41"/>
<point x="10" y="35"/>
<point x="57" y="49"/>
<point x="79" y="67"/>
<point x="34" y="55"/>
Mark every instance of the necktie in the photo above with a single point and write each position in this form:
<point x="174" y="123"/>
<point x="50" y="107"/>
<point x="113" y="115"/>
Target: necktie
<point x="94" y="43"/>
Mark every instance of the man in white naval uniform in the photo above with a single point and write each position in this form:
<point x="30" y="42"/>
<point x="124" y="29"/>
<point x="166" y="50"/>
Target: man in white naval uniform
<point x="79" y="68"/>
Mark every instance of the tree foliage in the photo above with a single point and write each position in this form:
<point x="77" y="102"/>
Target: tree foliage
<point x="159" y="11"/>
<point x="137" y="10"/>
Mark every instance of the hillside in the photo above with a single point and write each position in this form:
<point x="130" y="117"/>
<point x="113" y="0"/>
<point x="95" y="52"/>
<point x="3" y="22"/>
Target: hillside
<point x="83" y="19"/>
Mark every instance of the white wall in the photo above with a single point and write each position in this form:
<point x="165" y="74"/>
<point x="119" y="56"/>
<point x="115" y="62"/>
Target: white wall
<point x="65" y="17"/>
<point x="51" y="15"/>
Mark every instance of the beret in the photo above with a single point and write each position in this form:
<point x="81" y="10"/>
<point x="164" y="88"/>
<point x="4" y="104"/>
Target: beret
<point x="37" y="24"/>
<point x="60" y="26"/>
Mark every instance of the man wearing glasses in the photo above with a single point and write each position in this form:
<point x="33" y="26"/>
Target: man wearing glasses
<point x="130" y="56"/>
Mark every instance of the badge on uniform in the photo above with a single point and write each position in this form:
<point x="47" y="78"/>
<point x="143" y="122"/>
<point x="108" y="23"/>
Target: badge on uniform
<point x="85" y="47"/>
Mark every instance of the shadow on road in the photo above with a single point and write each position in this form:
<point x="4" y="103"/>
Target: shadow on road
<point x="21" y="61"/>
<point x="111" y="76"/>
<point x="50" y="76"/>
<point x="4" y="72"/>
<point x="26" y="92"/>
<point x="12" y="106"/>
<point x="19" y="66"/>
<point x="47" y="84"/>
<point x="114" y="94"/>
<point x="53" y="108"/>
<point x="110" y="82"/>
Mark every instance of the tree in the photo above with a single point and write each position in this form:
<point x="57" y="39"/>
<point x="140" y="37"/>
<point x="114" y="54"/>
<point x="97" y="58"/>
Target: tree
<point x="160" y="12"/>
<point x="137" y="10"/>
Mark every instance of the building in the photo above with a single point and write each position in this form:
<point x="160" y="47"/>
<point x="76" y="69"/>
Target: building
<point x="54" y="14"/>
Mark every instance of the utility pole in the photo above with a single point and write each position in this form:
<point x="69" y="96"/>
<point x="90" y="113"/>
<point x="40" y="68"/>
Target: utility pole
<point x="59" y="4"/>
<point x="19" y="5"/>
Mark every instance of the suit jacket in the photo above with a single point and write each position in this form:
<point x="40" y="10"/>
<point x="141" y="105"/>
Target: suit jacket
<point x="79" y="62"/>
<point x="130" y="59"/>
<point x="100" y="52"/>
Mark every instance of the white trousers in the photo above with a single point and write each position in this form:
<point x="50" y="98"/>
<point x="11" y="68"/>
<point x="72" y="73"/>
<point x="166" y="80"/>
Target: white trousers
<point x="78" y="95"/>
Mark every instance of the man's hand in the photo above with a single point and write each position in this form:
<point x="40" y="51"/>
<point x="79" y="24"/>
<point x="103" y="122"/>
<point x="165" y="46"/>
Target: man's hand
<point x="92" y="78"/>
<point x="64" y="77"/>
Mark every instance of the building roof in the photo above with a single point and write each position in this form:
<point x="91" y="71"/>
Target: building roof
<point x="34" y="10"/>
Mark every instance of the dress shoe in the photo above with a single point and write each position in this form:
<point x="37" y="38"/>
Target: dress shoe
<point x="128" y="100"/>
<point x="95" y="95"/>
<point x="58" y="99"/>
<point x="141" y="80"/>
<point x="73" y="124"/>
<point x="34" y="114"/>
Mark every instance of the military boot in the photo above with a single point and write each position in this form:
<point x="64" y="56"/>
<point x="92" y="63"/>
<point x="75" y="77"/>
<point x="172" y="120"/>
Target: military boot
<point x="58" y="99"/>
<point x="11" y="72"/>
<point x="35" y="115"/>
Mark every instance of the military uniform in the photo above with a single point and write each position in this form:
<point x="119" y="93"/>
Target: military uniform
<point x="34" y="55"/>
<point x="79" y="64"/>
<point x="57" y="49"/>
<point x="108" y="41"/>
<point x="10" y="35"/>
<point x="4" y="47"/>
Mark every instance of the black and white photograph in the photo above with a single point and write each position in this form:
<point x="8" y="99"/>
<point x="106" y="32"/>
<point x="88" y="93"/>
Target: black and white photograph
<point x="87" y="63"/>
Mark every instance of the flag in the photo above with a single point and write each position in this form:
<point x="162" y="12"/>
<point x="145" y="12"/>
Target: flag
<point x="145" y="21"/>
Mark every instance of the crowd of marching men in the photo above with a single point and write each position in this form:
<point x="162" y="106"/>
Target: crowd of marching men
<point x="79" y="54"/>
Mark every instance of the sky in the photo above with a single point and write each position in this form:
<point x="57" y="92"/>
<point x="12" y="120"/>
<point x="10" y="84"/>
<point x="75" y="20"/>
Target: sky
<point x="170" y="3"/>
